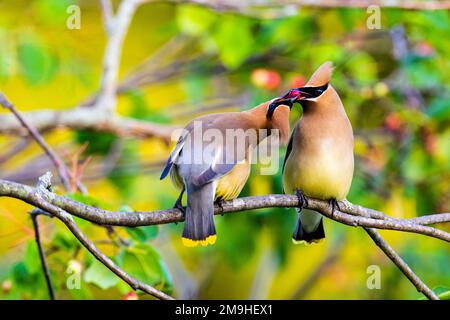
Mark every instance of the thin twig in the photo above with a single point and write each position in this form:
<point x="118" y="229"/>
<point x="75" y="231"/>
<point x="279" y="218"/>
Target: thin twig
<point x="48" y="281"/>
<point x="401" y="264"/>
<point x="59" y="164"/>
<point x="63" y="171"/>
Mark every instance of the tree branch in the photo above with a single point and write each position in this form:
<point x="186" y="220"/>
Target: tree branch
<point x="48" y="281"/>
<point x="85" y="118"/>
<point x="246" y="6"/>
<point x="351" y="214"/>
<point x="57" y="161"/>
<point x="113" y="51"/>
<point x="108" y="14"/>
<point x="401" y="264"/>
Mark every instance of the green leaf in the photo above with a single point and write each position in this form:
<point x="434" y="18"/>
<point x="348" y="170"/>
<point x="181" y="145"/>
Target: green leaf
<point x="86" y="199"/>
<point x="53" y="12"/>
<point x="98" y="142"/>
<point x="6" y="56"/>
<point x="442" y="292"/>
<point x="242" y="233"/>
<point x="194" y="20"/>
<point x="444" y="295"/>
<point x="140" y="233"/>
<point x="362" y="61"/>
<point x="143" y="233"/>
<point x="123" y="176"/>
<point x="416" y="166"/>
<point x="31" y="259"/>
<point x="145" y="264"/>
<point x="141" y="110"/>
<point x="22" y="275"/>
<point x="35" y="61"/>
<point x="439" y="109"/>
<point x="196" y="88"/>
<point x="100" y="276"/>
<point x="235" y="40"/>
<point x="65" y="240"/>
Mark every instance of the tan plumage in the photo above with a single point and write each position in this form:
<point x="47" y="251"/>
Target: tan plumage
<point x="320" y="159"/>
<point x="206" y="182"/>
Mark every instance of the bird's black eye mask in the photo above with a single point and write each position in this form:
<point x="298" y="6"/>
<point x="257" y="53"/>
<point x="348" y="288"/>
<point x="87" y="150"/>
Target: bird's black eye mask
<point x="312" y="92"/>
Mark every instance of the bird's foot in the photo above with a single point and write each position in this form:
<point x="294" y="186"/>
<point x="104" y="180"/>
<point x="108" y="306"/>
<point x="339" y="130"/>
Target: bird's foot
<point x="334" y="204"/>
<point x="178" y="205"/>
<point x="302" y="201"/>
<point x="220" y="205"/>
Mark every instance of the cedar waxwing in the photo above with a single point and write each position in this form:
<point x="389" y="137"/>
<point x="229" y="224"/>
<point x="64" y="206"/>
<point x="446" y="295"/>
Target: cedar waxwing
<point x="319" y="158"/>
<point x="217" y="170"/>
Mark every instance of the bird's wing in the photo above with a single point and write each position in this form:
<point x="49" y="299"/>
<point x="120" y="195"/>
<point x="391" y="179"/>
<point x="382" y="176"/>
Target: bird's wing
<point x="289" y="148"/>
<point x="173" y="156"/>
<point x="216" y="170"/>
<point x="212" y="173"/>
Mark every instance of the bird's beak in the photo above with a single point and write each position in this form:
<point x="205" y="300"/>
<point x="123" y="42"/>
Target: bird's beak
<point x="304" y="94"/>
<point x="286" y="101"/>
<point x="291" y="97"/>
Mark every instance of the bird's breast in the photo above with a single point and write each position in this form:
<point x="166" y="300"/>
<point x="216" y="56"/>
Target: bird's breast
<point x="230" y="185"/>
<point x="322" y="168"/>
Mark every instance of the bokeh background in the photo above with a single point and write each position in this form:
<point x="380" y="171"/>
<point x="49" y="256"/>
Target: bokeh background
<point x="394" y="83"/>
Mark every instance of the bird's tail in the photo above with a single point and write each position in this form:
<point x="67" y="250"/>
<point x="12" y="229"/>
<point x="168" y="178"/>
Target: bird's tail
<point x="199" y="228"/>
<point x="309" y="227"/>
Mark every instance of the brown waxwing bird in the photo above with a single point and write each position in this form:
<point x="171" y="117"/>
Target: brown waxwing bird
<point x="319" y="158"/>
<point x="216" y="169"/>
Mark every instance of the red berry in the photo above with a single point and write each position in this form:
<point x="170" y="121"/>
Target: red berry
<point x="393" y="122"/>
<point x="265" y="78"/>
<point x="424" y="49"/>
<point x="297" y="81"/>
<point x="6" y="286"/>
<point x="131" y="296"/>
<point x="429" y="140"/>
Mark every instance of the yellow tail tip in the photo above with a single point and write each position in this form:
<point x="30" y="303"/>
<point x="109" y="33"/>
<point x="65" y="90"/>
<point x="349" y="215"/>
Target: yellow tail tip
<point x="193" y="243"/>
<point x="304" y="242"/>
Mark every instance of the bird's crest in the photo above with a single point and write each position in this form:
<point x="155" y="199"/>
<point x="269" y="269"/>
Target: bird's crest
<point x="321" y="76"/>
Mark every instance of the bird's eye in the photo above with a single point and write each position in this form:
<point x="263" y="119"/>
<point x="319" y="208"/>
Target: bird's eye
<point x="319" y="92"/>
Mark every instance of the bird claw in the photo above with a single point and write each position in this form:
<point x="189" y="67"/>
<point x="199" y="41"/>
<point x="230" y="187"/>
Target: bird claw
<point x="178" y="205"/>
<point x="220" y="205"/>
<point x="334" y="204"/>
<point x="302" y="201"/>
